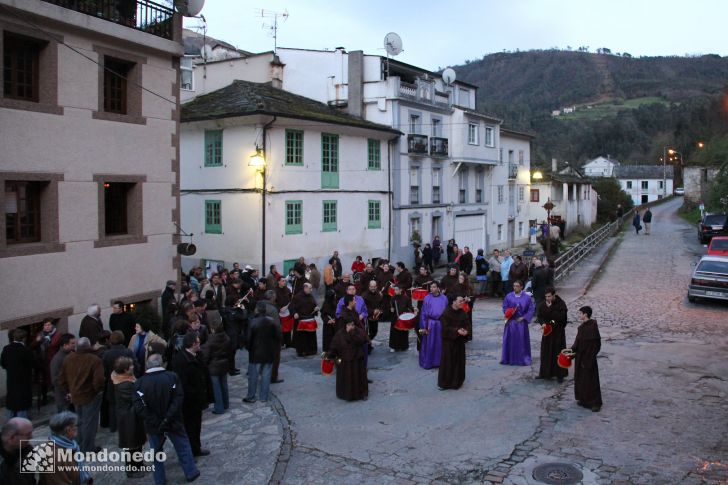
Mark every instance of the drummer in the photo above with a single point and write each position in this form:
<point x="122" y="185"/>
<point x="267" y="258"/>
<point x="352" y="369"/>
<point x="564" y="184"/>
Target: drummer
<point x="283" y="298"/>
<point x="401" y="305"/>
<point x="373" y="299"/>
<point x="303" y="307"/>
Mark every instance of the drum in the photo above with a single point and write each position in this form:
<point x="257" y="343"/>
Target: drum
<point x="419" y="294"/>
<point x="327" y="366"/>
<point x="466" y="307"/>
<point x="564" y="359"/>
<point x="287" y="322"/>
<point x="406" y="321"/>
<point x="307" y="325"/>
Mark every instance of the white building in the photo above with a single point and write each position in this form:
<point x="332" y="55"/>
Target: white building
<point x="447" y="165"/>
<point x="89" y="159"/>
<point x="326" y="179"/>
<point x="600" y="167"/>
<point x="645" y="183"/>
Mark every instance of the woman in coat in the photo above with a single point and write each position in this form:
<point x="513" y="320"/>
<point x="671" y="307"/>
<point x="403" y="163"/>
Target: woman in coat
<point x="132" y="435"/>
<point x="145" y="342"/>
<point x="636" y="221"/>
<point x="217" y="354"/>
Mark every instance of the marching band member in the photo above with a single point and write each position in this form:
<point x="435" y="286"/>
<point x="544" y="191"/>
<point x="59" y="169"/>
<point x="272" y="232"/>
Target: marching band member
<point x="349" y="349"/>
<point x="283" y="298"/>
<point x="401" y="303"/>
<point x="303" y="307"/>
<point x="451" y="373"/>
<point x="430" y="327"/>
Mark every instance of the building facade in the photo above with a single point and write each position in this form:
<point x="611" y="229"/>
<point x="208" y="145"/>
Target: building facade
<point x="450" y="175"/>
<point x="645" y="183"/>
<point x="697" y="182"/>
<point x="600" y="167"/>
<point x="89" y="165"/>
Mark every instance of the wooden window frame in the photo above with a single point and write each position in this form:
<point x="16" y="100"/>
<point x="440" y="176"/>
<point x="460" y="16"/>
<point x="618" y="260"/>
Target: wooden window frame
<point x="331" y="207"/>
<point x="374" y="214"/>
<point x="134" y="210"/>
<point x="214" y="206"/>
<point x="116" y="85"/>
<point x="212" y="138"/>
<point x="535" y="195"/>
<point x="291" y="226"/>
<point x="133" y="84"/>
<point x="32" y="191"/>
<point x="294" y="148"/>
<point x="374" y="154"/>
<point x="330" y="160"/>
<point x="14" y="47"/>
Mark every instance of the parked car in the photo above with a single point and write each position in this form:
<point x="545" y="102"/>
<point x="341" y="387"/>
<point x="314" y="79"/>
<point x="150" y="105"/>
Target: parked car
<point x="680" y="191"/>
<point x="712" y="225"/>
<point x="718" y="246"/>
<point x="710" y="279"/>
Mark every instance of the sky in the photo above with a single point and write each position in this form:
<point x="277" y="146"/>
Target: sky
<point x="443" y="33"/>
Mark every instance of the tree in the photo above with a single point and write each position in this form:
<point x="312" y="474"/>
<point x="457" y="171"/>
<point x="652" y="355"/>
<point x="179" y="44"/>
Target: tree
<point x="610" y="195"/>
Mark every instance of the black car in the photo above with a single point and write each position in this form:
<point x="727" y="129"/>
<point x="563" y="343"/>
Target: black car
<point x="712" y="225"/>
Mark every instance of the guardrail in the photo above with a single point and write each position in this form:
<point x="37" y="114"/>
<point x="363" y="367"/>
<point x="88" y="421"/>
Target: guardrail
<point x="569" y="260"/>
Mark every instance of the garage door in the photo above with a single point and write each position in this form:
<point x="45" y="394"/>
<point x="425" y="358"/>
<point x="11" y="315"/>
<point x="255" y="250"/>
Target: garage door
<point x="470" y="231"/>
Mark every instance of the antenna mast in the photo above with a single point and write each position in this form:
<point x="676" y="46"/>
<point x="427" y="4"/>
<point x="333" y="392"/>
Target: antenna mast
<point x="270" y="14"/>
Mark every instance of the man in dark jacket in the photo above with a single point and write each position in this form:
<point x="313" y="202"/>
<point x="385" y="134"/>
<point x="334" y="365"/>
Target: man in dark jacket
<point x="91" y="325"/>
<point x="518" y="270"/>
<point x="158" y="399"/>
<point x="193" y="375"/>
<point x="272" y="311"/>
<point x="117" y="349"/>
<point x="17" y="360"/>
<point x="466" y="261"/>
<point x="169" y="305"/>
<point x="11" y="455"/>
<point x="264" y="338"/>
<point x="122" y="321"/>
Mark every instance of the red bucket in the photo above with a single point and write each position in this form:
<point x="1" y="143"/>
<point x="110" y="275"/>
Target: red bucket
<point x="419" y="294"/>
<point x="564" y="360"/>
<point x="547" y="329"/>
<point x="327" y="366"/>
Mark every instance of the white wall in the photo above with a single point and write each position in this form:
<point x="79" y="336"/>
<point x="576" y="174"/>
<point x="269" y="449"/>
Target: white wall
<point x="653" y="190"/>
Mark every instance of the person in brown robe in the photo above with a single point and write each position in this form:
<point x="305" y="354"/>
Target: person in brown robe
<point x="401" y="303"/>
<point x="385" y="279"/>
<point x="464" y="289"/>
<point x="365" y="277"/>
<point x="328" y="317"/>
<point x="303" y="306"/>
<point x="348" y="348"/>
<point x="283" y="298"/>
<point x="373" y="299"/>
<point x="450" y="280"/>
<point x="451" y="374"/>
<point x="299" y="280"/>
<point x="586" y="346"/>
<point x="554" y="312"/>
<point x="403" y="278"/>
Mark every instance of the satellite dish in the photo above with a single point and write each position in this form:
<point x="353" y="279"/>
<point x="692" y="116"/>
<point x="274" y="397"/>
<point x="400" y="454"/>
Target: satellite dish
<point x="448" y="75"/>
<point x="189" y="8"/>
<point x="392" y="44"/>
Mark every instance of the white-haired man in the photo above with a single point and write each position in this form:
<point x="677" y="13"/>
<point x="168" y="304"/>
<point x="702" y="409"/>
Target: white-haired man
<point x="91" y="325"/>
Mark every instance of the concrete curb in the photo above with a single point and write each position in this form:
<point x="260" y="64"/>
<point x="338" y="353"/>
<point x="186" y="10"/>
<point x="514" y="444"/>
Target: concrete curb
<point x="279" y="472"/>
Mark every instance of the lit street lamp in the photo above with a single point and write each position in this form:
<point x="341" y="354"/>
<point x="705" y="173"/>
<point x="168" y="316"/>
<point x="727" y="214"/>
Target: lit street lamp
<point x="257" y="161"/>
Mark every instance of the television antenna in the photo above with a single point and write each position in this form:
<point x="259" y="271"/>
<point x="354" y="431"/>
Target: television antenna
<point x="272" y="27"/>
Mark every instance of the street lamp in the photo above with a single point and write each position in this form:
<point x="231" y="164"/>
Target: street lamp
<point x="257" y="161"/>
<point x="537" y="175"/>
<point x="549" y="206"/>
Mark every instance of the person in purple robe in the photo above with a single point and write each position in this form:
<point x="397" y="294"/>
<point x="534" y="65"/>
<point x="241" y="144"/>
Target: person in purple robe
<point x="516" y="340"/>
<point x="361" y="306"/>
<point x="430" y="328"/>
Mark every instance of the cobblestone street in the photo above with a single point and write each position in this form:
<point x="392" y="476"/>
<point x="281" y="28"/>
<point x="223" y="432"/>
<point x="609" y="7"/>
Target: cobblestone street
<point x="663" y="375"/>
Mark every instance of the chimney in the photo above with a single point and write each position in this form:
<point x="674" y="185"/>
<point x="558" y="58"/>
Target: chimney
<point x="356" y="84"/>
<point x="276" y="72"/>
<point x="554" y="165"/>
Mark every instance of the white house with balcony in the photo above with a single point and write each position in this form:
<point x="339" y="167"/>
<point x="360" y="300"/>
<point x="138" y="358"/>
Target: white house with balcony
<point x="444" y="169"/>
<point x="324" y="187"/>
<point x="600" y="167"/>
<point x="645" y="183"/>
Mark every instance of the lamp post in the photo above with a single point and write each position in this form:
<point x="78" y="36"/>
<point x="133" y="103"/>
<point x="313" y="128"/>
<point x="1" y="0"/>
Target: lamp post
<point x="675" y="152"/>
<point x="257" y="161"/>
<point x="549" y="207"/>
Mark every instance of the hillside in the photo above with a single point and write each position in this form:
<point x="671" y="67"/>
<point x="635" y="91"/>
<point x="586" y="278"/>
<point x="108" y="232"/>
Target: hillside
<point x="637" y="104"/>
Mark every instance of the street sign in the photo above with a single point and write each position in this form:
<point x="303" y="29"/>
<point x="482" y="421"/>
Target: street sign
<point x="527" y="253"/>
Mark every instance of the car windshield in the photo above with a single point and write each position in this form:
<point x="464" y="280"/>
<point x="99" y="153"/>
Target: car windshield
<point x="721" y="244"/>
<point x="713" y="267"/>
<point x="714" y="220"/>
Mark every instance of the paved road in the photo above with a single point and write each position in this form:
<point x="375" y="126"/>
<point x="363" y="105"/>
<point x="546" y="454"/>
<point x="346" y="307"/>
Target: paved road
<point x="664" y="379"/>
<point x="663" y="371"/>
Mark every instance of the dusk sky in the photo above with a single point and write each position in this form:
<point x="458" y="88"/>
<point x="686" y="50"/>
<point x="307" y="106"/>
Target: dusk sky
<point x="438" y="34"/>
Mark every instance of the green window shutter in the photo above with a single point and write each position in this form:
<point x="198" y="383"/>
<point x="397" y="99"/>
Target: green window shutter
<point x="294" y="147"/>
<point x="213" y="217"/>
<point x="213" y="148"/>
<point x="329" y="215"/>
<point x="374" y="217"/>
<point x="294" y="217"/>
<point x="329" y="161"/>
<point x="374" y="154"/>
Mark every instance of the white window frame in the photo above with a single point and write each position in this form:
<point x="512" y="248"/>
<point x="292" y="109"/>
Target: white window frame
<point x="489" y="136"/>
<point x="472" y="133"/>
<point x="521" y="157"/>
<point x="521" y="193"/>
<point x="189" y="69"/>
<point x="414" y="124"/>
<point x="628" y="184"/>
<point x="645" y="184"/>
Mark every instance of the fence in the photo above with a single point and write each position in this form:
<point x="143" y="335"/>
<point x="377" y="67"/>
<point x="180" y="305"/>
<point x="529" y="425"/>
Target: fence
<point x="570" y="259"/>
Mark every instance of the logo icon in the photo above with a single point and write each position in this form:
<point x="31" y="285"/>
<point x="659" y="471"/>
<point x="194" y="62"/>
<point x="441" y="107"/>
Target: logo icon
<point x="40" y="459"/>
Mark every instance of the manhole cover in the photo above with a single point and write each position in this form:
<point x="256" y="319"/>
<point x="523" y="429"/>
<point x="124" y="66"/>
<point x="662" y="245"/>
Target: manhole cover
<point x="557" y="474"/>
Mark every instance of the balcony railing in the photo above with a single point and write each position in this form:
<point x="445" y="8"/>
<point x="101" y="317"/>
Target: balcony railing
<point x="417" y="144"/>
<point x="438" y="146"/>
<point x="512" y="171"/>
<point x="143" y="15"/>
<point x="423" y="92"/>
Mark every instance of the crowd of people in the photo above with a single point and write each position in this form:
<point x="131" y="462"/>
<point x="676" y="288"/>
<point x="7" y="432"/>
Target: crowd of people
<point x="151" y="382"/>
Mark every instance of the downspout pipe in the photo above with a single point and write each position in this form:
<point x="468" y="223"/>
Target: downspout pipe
<point x="265" y="169"/>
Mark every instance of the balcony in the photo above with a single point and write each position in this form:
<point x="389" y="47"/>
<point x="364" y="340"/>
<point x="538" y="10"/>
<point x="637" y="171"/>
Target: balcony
<point x="423" y="91"/>
<point x="143" y="15"/>
<point x="417" y="144"/>
<point x="512" y="171"/>
<point x="438" y="146"/>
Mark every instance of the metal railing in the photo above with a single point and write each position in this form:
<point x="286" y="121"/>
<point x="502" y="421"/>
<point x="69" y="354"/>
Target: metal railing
<point x="143" y="15"/>
<point x="417" y="144"/>
<point x="571" y="258"/>
<point x="438" y="146"/>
